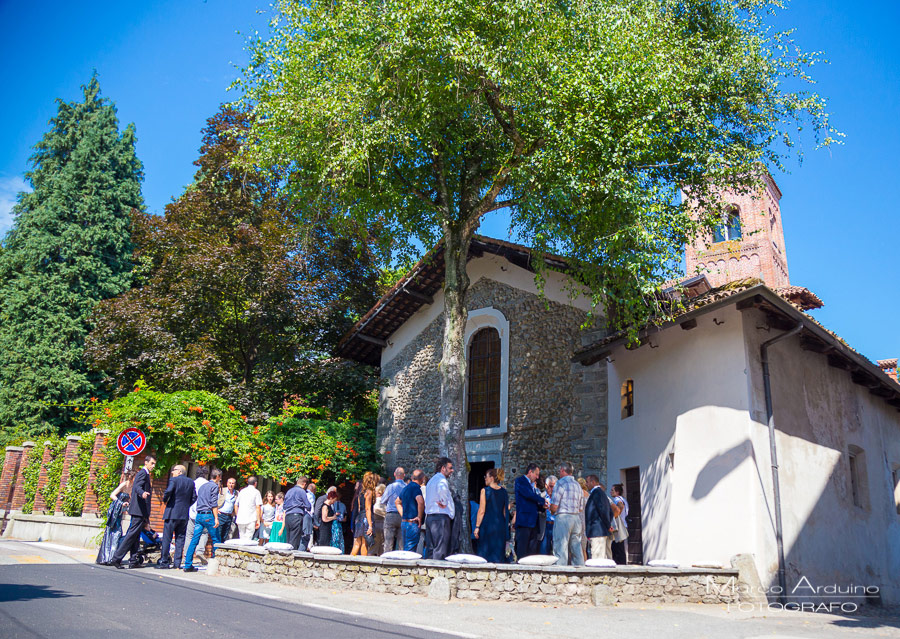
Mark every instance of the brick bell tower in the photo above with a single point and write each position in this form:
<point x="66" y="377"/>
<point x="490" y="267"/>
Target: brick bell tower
<point x="748" y="243"/>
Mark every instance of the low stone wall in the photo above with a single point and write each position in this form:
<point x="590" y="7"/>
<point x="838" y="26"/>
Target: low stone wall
<point x="491" y="582"/>
<point x="72" y="531"/>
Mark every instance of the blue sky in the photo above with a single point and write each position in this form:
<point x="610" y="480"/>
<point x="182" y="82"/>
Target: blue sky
<point x="167" y="65"/>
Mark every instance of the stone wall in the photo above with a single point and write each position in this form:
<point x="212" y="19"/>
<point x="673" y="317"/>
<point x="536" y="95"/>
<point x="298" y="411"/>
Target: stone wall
<point x="488" y="582"/>
<point x="557" y="410"/>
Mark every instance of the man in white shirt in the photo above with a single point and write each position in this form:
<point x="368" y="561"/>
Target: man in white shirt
<point x="248" y="509"/>
<point x="439" y="510"/>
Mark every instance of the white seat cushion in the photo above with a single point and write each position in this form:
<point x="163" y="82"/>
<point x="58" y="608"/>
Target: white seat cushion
<point x="538" y="560"/>
<point x="600" y="563"/>
<point x="326" y="550"/>
<point x="663" y="563"/>
<point x="241" y="542"/>
<point x="278" y="545"/>
<point x="407" y="555"/>
<point x="462" y="558"/>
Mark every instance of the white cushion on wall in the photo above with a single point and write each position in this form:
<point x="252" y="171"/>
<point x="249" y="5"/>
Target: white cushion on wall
<point x="463" y="558"/>
<point x="402" y="554"/>
<point x="663" y="563"/>
<point x="538" y="560"/>
<point x="326" y="550"/>
<point x="600" y="563"/>
<point x="241" y="542"/>
<point x="278" y="545"/>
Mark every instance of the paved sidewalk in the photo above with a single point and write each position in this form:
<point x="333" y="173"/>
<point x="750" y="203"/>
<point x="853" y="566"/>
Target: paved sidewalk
<point x="497" y="620"/>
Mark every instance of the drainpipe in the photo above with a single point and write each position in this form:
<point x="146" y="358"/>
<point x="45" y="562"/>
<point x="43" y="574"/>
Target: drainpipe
<point x="773" y="453"/>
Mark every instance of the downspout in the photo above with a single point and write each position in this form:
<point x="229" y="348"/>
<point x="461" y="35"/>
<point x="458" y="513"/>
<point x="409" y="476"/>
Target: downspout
<point x="773" y="454"/>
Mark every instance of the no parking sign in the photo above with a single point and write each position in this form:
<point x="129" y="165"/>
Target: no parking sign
<point x="131" y="442"/>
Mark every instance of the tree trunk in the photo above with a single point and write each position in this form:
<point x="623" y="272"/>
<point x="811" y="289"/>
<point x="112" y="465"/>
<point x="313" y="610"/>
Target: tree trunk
<point x="451" y="426"/>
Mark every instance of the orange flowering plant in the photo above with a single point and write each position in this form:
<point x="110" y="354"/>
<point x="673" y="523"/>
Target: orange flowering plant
<point x="301" y="442"/>
<point x="202" y="427"/>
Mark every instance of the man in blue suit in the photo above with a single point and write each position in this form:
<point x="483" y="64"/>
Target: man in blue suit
<point x="528" y="503"/>
<point x="598" y="519"/>
<point x="179" y="495"/>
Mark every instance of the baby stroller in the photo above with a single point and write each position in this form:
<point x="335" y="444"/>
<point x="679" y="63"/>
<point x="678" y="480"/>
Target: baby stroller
<point x="150" y="541"/>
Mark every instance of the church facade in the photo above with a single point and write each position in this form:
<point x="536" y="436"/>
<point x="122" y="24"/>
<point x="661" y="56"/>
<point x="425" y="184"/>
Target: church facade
<point x="683" y="420"/>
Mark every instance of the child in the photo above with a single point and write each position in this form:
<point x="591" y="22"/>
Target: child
<point x="277" y="532"/>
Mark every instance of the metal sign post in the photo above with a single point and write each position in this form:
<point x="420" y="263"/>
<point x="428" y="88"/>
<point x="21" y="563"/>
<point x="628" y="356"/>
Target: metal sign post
<point x="130" y="443"/>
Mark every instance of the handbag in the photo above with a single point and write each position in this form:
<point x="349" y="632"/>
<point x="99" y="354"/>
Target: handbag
<point x="621" y="533"/>
<point x="379" y="509"/>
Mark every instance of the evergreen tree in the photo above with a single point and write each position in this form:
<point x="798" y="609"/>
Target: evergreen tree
<point x="69" y="248"/>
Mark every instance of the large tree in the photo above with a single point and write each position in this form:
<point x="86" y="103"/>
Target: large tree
<point x="234" y="297"/>
<point x="69" y="248"/>
<point x="582" y="118"/>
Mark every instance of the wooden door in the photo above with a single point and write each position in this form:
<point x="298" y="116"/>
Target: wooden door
<point x="633" y="496"/>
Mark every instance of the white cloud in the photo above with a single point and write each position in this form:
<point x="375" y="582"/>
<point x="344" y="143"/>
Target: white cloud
<point x="10" y="187"/>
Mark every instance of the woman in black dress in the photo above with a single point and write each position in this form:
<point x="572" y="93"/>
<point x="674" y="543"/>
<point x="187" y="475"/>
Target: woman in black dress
<point x="492" y="524"/>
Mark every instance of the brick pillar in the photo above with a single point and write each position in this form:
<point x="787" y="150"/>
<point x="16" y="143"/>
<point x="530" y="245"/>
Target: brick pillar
<point x="18" y="499"/>
<point x="39" y="505"/>
<point x="72" y="442"/>
<point x="8" y="479"/>
<point x="157" y="489"/>
<point x="98" y="460"/>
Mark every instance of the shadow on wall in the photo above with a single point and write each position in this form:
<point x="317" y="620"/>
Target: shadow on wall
<point x="656" y="500"/>
<point x="719" y="467"/>
<point x="837" y="545"/>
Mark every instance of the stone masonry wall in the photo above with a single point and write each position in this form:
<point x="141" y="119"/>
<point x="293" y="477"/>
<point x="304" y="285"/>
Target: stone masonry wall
<point x="489" y="582"/>
<point x="557" y="410"/>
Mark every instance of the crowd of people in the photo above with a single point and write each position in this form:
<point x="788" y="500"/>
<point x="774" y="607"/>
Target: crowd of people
<point x="571" y="519"/>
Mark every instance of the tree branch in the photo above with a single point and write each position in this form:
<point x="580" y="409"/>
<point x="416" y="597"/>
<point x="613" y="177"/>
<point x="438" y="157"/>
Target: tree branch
<point x="419" y="194"/>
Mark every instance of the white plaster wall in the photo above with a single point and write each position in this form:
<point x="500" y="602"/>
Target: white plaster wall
<point x="819" y="411"/>
<point x="690" y="393"/>
<point x="557" y="288"/>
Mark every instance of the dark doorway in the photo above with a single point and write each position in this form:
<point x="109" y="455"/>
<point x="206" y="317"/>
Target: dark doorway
<point x="633" y="496"/>
<point x="476" y="478"/>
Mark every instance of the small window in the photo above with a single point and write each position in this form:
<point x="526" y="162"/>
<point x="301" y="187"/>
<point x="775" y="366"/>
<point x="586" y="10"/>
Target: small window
<point x="895" y="475"/>
<point x="628" y="398"/>
<point x="483" y="390"/>
<point x="859" y="485"/>
<point x="729" y="229"/>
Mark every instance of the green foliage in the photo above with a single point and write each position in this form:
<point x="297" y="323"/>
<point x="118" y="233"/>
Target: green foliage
<point x="50" y="490"/>
<point x="76" y="486"/>
<point x="30" y="477"/>
<point x="203" y="427"/>
<point x="330" y="452"/>
<point x="69" y="247"/>
<point x="582" y="117"/>
<point x="235" y="297"/>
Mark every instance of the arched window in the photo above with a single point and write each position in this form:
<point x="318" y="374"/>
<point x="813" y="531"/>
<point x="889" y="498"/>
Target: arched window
<point x="627" y="398"/>
<point x="483" y="390"/>
<point x="729" y="229"/>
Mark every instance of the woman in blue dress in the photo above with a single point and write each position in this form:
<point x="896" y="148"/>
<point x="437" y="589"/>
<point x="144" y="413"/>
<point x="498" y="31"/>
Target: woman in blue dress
<point x="492" y="524"/>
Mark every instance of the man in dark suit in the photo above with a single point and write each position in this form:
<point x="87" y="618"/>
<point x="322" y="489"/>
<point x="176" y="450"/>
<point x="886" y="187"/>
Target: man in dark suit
<point x="139" y="509"/>
<point x="528" y="503"/>
<point x="317" y="515"/>
<point x="598" y="519"/>
<point x="179" y="495"/>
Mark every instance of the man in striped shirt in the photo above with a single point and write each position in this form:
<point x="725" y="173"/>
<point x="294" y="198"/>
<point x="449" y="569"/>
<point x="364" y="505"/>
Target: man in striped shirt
<point x="567" y="504"/>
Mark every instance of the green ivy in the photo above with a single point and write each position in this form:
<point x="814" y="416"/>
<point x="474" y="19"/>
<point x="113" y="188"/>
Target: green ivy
<point x="30" y="475"/>
<point x="54" y="472"/>
<point x="76" y="486"/>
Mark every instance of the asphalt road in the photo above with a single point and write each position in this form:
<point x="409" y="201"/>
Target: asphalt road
<point x="54" y="591"/>
<point x="75" y="600"/>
